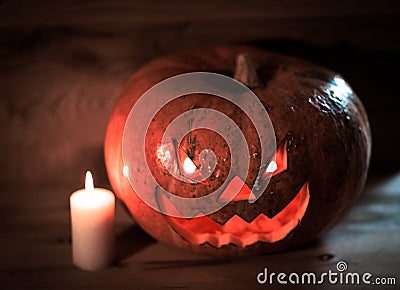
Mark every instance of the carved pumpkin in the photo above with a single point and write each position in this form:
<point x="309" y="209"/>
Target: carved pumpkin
<point x="316" y="173"/>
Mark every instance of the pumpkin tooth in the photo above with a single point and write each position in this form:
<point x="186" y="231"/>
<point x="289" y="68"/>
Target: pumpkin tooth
<point x="235" y="224"/>
<point x="274" y="236"/>
<point x="247" y="238"/>
<point x="198" y="239"/>
<point x="236" y="241"/>
<point x="264" y="224"/>
<point x="220" y="239"/>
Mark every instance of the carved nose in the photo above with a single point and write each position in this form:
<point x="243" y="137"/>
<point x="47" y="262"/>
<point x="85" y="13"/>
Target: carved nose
<point x="237" y="184"/>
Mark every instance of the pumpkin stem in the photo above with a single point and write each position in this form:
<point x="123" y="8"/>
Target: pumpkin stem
<point x="245" y="72"/>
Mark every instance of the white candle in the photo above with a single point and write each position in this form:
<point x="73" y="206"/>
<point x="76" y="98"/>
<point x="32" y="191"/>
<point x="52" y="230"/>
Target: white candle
<point x="92" y="220"/>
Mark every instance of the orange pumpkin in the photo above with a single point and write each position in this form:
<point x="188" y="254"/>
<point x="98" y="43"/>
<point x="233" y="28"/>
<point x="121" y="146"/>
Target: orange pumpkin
<point x="317" y="170"/>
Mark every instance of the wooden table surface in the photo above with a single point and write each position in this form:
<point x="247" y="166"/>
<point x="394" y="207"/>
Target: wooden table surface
<point x="35" y="248"/>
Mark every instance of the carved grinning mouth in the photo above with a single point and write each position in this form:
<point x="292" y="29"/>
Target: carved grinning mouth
<point x="237" y="231"/>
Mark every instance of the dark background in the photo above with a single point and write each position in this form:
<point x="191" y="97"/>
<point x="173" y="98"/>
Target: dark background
<point x="63" y="65"/>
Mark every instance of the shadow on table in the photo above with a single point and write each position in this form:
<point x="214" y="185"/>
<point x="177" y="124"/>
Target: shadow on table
<point x="176" y="264"/>
<point x="309" y="254"/>
<point x="131" y="241"/>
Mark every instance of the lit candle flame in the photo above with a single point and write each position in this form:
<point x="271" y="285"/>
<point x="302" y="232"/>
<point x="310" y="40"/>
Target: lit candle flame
<point x="189" y="166"/>
<point x="89" y="182"/>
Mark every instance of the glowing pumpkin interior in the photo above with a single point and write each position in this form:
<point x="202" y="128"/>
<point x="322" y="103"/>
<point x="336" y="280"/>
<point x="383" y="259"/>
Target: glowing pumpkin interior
<point x="202" y="229"/>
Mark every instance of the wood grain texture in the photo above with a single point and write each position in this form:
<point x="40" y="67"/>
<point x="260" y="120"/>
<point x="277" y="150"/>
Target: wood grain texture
<point x="64" y="63"/>
<point x="36" y="253"/>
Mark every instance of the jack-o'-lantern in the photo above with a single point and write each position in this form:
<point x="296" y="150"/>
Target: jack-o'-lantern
<point x="316" y="170"/>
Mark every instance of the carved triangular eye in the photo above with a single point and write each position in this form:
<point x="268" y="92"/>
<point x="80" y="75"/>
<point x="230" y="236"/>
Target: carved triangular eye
<point x="279" y="162"/>
<point x="272" y="167"/>
<point x="187" y="167"/>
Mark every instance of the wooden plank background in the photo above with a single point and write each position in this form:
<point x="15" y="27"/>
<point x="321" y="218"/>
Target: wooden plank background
<point x="64" y="63"/>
